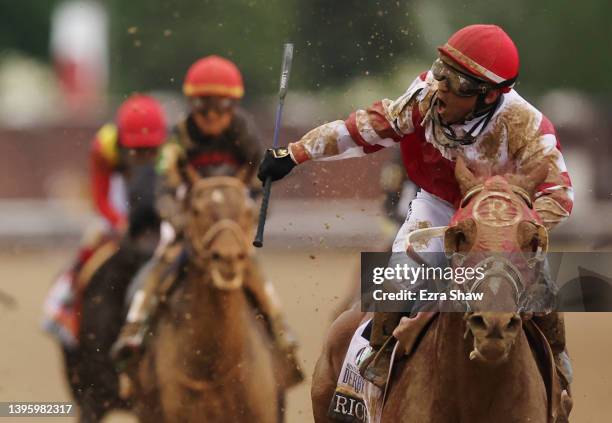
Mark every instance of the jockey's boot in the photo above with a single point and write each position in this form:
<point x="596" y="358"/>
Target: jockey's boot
<point x="375" y="366"/>
<point x="148" y="280"/>
<point x="267" y="303"/>
<point x="552" y="326"/>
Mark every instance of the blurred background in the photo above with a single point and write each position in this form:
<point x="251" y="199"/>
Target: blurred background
<point x="66" y="65"/>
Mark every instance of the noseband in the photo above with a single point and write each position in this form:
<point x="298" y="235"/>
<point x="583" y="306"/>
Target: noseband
<point x="201" y="245"/>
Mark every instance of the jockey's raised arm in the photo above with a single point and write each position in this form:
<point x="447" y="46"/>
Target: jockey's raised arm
<point x="365" y="131"/>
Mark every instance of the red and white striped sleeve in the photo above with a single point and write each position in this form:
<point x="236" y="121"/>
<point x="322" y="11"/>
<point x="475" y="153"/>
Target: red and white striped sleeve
<point x="365" y="131"/>
<point x="554" y="198"/>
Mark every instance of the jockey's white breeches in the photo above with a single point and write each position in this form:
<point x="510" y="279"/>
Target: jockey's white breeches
<point x="426" y="210"/>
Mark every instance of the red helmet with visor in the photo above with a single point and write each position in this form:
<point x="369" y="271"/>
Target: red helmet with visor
<point x="486" y="52"/>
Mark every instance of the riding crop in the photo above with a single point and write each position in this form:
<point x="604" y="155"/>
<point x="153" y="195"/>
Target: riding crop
<point x="282" y="91"/>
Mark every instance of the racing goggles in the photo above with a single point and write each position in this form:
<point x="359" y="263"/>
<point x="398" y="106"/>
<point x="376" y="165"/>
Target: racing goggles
<point x="459" y="83"/>
<point x="219" y="105"/>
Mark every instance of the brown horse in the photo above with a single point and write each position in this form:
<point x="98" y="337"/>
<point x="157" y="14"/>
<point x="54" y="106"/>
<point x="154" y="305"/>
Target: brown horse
<point x="476" y="366"/>
<point x="209" y="358"/>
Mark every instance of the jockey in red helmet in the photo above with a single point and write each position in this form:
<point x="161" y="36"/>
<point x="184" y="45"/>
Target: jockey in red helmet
<point x="216" y="138"/>
<point x="135" y="136"/>
<point x="216" y="133"/>
<point x="464" y="105"/>
<point x="138" y="132"/>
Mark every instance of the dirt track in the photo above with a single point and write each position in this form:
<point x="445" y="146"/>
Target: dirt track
<point x="310" y="284"/>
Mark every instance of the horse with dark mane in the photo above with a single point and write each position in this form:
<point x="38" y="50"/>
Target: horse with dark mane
<point x="483" y="365"/>
<point x="92" y="375"/>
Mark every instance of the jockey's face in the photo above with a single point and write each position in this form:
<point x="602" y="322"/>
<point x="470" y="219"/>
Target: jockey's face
<point x="451" y="107"/>
<point x="212" y="115"/>
<point x="455" y="99"/>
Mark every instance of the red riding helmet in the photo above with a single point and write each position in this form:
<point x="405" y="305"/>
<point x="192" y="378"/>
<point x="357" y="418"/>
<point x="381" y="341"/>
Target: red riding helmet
<point x="486" y="52"/>
<point x="141" y="122"/>
<point x="213" y="76"/>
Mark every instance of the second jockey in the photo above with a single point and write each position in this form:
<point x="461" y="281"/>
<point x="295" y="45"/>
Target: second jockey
<point x="139" y="132"/>
<point x="465" y="105"/>
<point x="133" y="138"/>
<point x="215" y="139"/>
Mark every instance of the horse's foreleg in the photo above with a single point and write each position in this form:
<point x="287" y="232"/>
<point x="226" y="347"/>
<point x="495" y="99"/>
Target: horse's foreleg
<point x="329" y="364"/>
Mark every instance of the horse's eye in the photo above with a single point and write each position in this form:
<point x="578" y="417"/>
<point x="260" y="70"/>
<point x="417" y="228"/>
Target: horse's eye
<point x="514" y="322"/>
<point x="215" y="256"/>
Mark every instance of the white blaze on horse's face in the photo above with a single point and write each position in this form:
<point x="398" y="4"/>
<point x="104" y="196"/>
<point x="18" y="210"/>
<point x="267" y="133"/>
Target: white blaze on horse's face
<point x="217" y="196"/>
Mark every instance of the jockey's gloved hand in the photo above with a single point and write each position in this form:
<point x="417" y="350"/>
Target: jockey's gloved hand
<point x="276" y="164"/>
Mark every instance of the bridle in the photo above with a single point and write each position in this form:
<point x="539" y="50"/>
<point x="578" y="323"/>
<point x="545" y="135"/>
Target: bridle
<point x="201" y="245"/>
<point x="492" y="265"/>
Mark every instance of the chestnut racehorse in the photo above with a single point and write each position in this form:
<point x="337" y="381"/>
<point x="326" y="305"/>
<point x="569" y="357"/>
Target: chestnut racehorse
<point x="209" y="358"/>
<point x="475" y="366"/>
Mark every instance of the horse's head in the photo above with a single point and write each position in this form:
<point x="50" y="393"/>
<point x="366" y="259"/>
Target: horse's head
<point x="497" y="232"/>
<point x="219" y="221"/>
<point x="143" y="219"/>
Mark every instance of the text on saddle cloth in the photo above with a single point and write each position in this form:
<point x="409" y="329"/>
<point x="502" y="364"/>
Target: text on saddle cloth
<point x="356" y="400"/>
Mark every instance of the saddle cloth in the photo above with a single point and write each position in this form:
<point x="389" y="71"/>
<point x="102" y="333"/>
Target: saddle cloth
<point x="356" y="400"/>
<point x="63" y="303"/>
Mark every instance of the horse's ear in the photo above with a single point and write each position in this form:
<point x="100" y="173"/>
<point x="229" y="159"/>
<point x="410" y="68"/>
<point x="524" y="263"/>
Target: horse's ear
<point x="465" y="178"/>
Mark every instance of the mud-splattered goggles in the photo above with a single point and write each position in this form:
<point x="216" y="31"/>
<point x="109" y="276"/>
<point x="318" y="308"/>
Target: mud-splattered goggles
<point x="460" y="84"/>
<point x="209" y="104"/>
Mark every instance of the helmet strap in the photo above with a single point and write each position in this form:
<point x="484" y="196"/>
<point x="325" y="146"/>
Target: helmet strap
<point x="481" y="108"/>
<point x="484" y="116"/>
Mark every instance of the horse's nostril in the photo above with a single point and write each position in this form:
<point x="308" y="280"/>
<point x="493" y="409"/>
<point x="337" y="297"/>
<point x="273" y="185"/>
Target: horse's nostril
<point x="514" y="323"/>
<point x="477" y="321"/>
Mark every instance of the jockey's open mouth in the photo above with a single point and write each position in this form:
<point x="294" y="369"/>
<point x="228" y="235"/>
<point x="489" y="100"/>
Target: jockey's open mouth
<point x="450" y="108"/>
<point x="440" y="107"/>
